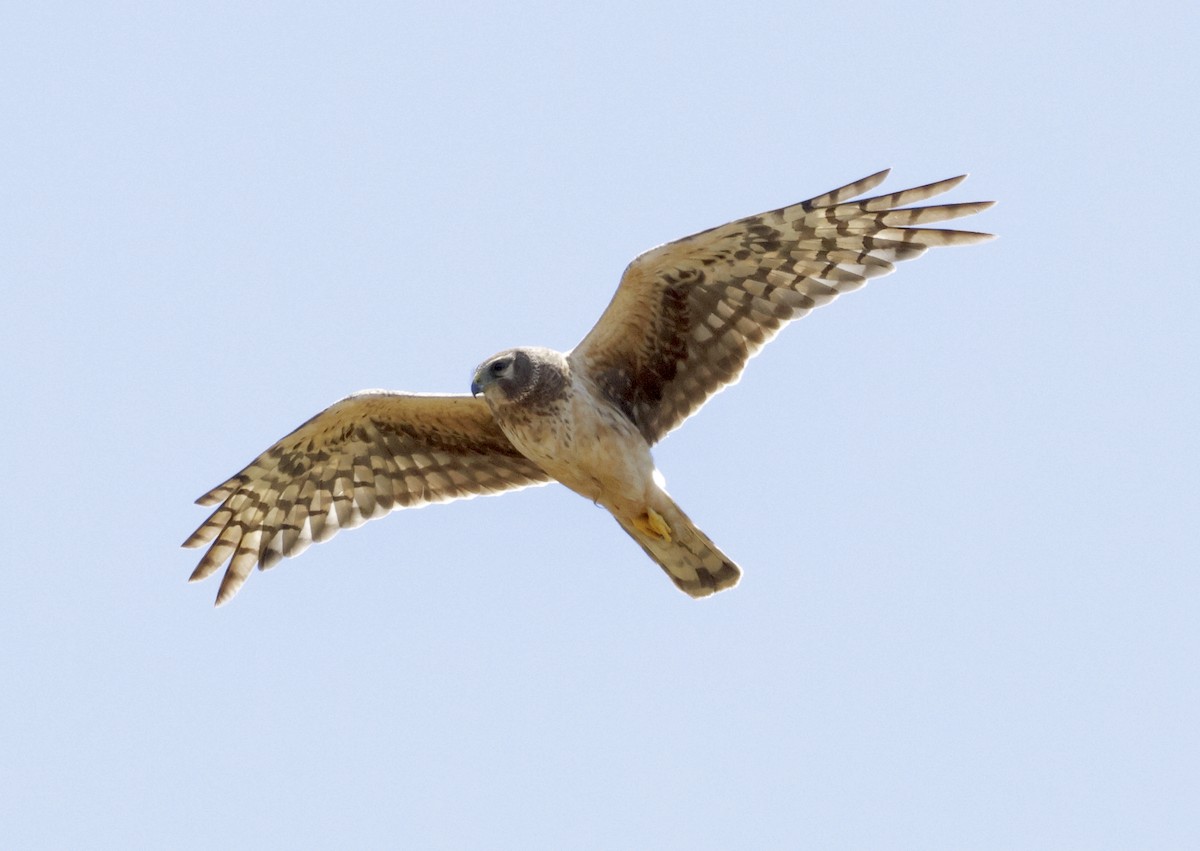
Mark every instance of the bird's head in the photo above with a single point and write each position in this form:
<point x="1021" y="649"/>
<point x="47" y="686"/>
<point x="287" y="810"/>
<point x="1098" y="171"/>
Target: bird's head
<point x="515" y="375"/>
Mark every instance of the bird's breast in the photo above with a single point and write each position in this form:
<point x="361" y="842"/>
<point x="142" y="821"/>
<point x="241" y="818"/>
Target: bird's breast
<point x="586" y="443"/>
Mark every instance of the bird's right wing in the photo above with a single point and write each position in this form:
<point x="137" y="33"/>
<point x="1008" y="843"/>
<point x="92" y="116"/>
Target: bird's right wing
<point x="360" y="458"/>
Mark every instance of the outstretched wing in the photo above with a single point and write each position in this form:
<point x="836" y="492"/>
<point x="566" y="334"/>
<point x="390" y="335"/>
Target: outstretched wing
<point x="360" y="458"/>
<point x="689" y="314"/>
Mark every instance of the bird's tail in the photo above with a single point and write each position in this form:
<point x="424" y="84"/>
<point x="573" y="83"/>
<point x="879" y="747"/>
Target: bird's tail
<point x="692" y="561"/>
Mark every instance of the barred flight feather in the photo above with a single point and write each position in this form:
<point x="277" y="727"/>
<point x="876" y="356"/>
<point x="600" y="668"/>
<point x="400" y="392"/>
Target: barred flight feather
<point x="689" y="314"/>
<point x="359" y="459"/>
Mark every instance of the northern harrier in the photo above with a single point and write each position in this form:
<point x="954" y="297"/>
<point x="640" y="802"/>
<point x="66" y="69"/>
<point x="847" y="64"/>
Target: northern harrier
<point x="685" y="319"/>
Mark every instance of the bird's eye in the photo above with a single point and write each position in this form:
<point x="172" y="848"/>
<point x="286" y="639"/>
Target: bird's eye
<point x="499" y="366"/>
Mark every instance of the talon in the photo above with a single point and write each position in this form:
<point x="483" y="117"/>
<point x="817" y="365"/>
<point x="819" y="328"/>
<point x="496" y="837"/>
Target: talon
<point x="652" y="523"/>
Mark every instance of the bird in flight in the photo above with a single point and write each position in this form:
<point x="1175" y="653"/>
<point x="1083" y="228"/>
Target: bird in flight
<point x="686" y="317"/>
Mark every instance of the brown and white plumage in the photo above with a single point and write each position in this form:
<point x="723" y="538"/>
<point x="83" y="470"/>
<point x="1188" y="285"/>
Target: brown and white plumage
<point x="685" y="319"/>
<point x="360" y="458"/>
<point x="689" y="314"/>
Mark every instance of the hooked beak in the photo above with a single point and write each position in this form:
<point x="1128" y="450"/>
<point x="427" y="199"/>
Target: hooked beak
<point x="475" y="388"/>
<point x="478" y="382"/>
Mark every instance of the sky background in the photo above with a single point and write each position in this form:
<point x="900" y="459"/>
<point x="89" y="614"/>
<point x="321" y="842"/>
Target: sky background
<point x="965" y="498"/>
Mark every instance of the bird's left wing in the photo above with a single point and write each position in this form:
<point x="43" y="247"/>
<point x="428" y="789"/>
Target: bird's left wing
<point x="689" y="314"/>
<point x="360" y="458"/>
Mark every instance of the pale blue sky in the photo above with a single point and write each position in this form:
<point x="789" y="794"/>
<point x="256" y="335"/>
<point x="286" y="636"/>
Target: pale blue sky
<point x="965" y="498"/>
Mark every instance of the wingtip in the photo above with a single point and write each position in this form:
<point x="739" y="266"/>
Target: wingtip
<point x="231" y="583"/>
<point x="194" y="540"/>
<point x="950" y="182"/>
<point x="873" y="180"/>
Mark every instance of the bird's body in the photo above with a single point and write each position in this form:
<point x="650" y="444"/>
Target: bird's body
<point x="576" y="436"/>
<point x="684" y="321"/>
<point x="562" y="420"/>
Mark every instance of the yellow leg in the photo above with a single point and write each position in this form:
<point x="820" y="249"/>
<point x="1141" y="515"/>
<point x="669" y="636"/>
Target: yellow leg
<point x="652" y="524"/>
